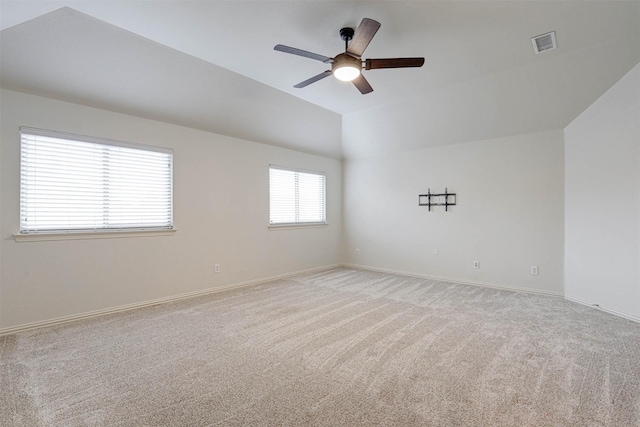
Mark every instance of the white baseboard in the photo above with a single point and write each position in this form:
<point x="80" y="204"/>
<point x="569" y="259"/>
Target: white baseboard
<point x="126" y="307"/>
<point x="498" y="286"/>
<point x="603" y="308"/>
<point x="455" y="280"/>
<point x="65" y="319"/>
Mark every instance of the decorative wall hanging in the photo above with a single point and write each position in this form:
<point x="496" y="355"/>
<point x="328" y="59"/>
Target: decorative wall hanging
<point x="445" y="199"/>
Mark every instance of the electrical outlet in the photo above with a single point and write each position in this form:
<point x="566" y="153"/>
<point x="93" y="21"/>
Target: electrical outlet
<point x="476" y="264"/>
<point x="217" y="268"/>
<point x="357" y="251"/>
<point x="534" y="270"/>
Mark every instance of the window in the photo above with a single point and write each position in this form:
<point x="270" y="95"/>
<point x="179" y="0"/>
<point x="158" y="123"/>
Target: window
<point x="76" y="183"/>
<point x="296" y="197"/>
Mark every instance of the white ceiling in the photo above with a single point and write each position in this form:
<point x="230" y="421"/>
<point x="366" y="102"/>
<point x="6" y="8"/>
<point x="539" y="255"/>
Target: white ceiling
<point x="211" y="65"/>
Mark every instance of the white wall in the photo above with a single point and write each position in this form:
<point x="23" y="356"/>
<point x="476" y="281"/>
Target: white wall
<point x="221" y="212"/>
<point x="602" y="200"/>
<point x="509" y="214"/>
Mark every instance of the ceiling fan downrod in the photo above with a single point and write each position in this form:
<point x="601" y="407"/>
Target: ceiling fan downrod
<point x="346" y="34"/>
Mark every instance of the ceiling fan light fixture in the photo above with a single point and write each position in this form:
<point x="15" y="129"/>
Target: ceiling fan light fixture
<point x="346" y="72"/>
<point x="346" y="67"/>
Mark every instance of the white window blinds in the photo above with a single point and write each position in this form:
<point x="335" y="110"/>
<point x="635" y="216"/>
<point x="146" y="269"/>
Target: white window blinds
<point x="76" y="183"/>
<point x="296" y="197"/>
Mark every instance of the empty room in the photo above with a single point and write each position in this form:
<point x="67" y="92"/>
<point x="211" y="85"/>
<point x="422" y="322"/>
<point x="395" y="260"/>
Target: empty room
<point x="319" y="213"/>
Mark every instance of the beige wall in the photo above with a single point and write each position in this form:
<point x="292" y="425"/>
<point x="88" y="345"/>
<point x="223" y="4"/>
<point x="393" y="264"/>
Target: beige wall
<point x="602" y="203"/>
<point x="221" y="212"/>
<point x="509" y="214"/>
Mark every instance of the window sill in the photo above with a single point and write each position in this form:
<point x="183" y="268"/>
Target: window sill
<point x="84" y="235"/>
<point x="292" y="226"/>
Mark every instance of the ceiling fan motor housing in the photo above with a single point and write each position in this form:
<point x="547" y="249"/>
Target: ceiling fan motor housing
<point x="344" y="59"/>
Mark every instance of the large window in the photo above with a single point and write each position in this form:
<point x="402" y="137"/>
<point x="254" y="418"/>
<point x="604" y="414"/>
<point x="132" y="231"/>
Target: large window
<point x="76" y="183"/>
<point x="296" y="197"/>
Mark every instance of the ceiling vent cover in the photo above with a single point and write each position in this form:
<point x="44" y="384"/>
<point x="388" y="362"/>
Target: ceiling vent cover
<point x="544" y="42"/>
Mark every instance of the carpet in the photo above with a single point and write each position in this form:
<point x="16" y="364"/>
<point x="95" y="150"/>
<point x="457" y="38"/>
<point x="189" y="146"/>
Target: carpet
<point x="341" y="347"/>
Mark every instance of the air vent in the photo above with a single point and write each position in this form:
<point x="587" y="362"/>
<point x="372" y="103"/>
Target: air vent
<point x="544" y="42"/>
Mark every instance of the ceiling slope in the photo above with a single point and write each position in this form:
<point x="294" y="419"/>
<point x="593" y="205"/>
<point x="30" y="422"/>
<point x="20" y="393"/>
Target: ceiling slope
<point x="533" y="98"/>
<point x="73" y="57"/>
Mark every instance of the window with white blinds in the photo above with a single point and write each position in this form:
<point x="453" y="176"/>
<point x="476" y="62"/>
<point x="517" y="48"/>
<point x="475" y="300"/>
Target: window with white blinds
<point x="76" y="183"/>
<point x="296" y="197"/>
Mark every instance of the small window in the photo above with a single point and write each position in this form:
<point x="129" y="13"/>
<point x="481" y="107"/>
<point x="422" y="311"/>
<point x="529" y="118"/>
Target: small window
<point x="76" y="183"/>
<point x="296" y="197"/>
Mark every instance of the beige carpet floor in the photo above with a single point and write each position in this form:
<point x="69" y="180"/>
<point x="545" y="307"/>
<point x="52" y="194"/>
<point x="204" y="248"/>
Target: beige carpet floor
<point x="341" y="347"/>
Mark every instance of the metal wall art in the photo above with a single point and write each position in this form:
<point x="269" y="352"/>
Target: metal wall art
<point x="445" y="199"/>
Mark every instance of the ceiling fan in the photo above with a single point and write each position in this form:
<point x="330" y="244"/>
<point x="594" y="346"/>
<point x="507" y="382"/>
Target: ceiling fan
<point x="348" y="66"/>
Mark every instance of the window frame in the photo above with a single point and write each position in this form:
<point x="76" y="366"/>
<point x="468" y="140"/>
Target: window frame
<point x="140" y="230"/>
<point x="307" y="224"/>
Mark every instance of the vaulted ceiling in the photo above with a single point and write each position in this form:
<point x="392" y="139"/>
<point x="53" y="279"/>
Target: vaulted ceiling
<point x="211" y="65"/>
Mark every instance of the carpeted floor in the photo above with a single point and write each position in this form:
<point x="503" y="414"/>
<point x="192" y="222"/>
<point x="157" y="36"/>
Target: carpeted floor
<point x="337" y="348"/>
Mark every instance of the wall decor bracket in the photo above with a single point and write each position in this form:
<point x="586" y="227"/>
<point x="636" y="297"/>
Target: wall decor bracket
<point x="445" y="199"/>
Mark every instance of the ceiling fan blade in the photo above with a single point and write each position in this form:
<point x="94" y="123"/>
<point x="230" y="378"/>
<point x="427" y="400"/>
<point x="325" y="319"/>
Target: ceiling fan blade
<point x="300" y="52"/>
<point x="362" y="84"/>
<point x="362" y="37"/>
<point x="372" y="64"/>
<point x="313" y="79"/>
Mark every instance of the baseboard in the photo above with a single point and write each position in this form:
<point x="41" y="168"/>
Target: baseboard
<point x="455" y="280"/>
<point x="96" y="313"/>
<point x="127" y="307"/>
<point x="603" y="308"/>
<point x="503" y="287"/>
